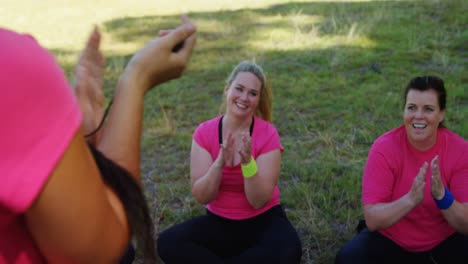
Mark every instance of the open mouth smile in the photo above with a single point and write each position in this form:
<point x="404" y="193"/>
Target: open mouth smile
<point x="419" y="126"/>
<point x="242" y="106"/>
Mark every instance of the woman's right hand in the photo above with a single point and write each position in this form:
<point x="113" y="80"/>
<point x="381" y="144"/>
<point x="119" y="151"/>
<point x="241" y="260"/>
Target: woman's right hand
<point x="416" y="192"/>
<point x="226" y="152"/>
<point x="157" y="62"/>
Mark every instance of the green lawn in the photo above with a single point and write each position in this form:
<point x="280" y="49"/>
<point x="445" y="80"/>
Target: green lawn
<point x="337" y="70"/>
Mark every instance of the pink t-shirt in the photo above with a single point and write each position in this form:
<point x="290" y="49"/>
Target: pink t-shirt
<point x="231" y="201"/>
<point x="392" y="165"/>
<point x="40" y="115"/>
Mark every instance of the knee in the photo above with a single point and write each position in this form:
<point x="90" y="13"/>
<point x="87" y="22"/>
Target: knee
<point x="290" y="253"/>
<point x="293" y="256"/>
<point x="166" y="245"/>
<point x="341" y="257"/>
<point x="347" y="254"/>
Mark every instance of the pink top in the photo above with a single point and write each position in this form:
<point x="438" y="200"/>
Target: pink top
<point x="231" y="201"/>
<point x="40" y="115"/>
<point x="392" y="165"/>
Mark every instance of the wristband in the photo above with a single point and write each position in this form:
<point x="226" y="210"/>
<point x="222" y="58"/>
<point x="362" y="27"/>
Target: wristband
<point x="446" y="201"/>
<point x="250" y="169"/>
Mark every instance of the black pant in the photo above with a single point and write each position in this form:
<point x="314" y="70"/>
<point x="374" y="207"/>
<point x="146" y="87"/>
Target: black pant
<point x="267" y="238"/>
<point x="129" y="255"/>
<point x="372" y="247"/>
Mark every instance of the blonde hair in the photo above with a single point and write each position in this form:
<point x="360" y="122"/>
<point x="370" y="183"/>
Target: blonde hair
<point x="264" y="107"/>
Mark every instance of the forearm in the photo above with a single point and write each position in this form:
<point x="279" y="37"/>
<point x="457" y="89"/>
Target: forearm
<point x="257" y="192"/>
<point x="383" y="215"/>
<point x="457" y="216"/>
<point x="205" y="188"/>
<point x="121" y="135"/>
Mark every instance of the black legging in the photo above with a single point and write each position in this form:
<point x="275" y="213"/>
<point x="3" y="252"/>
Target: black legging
<point x="129" y="255"/>
<point x="267" y="238"/>
<point x="372" y="247"/>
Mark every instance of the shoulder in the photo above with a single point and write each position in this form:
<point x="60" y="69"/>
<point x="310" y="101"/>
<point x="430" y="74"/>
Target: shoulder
<point x="26" y="58"/>
<point x="208" y="125"/>
<point x="263" y="126"/>
<point x="206" y="133"/>
<point x="30" y="73"/>
<point x="40" y="112"/>
<point x="392" y="139"/>
<point x="265" y="137"/>
<point x="452" y="137"/>
<point x="454" y="142"/>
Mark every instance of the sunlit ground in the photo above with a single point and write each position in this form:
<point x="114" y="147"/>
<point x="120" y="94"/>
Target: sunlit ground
<point x="57" y="23"/>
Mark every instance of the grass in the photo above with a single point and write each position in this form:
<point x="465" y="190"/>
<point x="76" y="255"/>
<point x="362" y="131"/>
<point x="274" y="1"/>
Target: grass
<point x="337" y="70"/>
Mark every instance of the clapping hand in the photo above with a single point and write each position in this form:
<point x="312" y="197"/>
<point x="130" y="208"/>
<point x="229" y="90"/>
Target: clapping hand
<point x="87" y="84"/>
<point x="245" y="148"/>
<point x="226" y="153"/>
<point x="437" y="187"/>
<point x="416" y="192"/>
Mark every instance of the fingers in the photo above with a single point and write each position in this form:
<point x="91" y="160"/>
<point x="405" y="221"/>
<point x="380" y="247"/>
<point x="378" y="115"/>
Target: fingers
<point x="78" y="75"/>
<point x="94" y="39"/>
<point x="184" y="37"/>
<point x="185" y="19"/>
<point x="422" y="171"/>
<point x="417" y="188"/>
<point x="164" y="32"/>
<point x="435" y="164"/>
<point x="420" y="178"/>
<point x="245" y="150"/>
<point x="435" y="178"/>
<point x="91" y="51"/>
<point x="437" y="187"/>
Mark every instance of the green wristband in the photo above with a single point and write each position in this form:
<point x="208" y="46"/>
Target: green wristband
<point x="250" y="169"/>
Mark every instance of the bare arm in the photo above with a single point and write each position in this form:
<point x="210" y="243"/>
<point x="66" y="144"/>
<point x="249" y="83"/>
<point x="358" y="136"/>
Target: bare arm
<point x="260" y="187"/>
<point x="152" y="65"/>
<point x="76" y="217"/>
<point x="457" y="214"/>
<point x="205" y="174"/>
<point x="383" y="215"/>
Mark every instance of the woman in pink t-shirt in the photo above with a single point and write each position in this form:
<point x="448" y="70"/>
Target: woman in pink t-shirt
<point x="415" y="188"/>
<point x="235" y="166"/>
<point x="62" y="201"/>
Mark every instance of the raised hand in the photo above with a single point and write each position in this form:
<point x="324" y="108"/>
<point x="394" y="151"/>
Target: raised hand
<point x="226" y="152"/>
<point x="245" y="148"/>
<point x="157" y="62"/>
<point x="87" y="84"/>
<point x="416" y="192"/>
<point x="437" y="187"/>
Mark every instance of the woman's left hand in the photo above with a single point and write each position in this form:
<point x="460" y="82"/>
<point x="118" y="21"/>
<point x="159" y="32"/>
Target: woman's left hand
<point x="245" y="148"/>
<point x="437" y="187"/>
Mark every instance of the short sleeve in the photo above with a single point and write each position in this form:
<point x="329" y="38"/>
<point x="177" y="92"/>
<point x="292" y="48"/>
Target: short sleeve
<point x="198" y="135"/>
<point x="265" y="138"/>
<point x="378" y="177"/>
<point x="459" y="178"/>
<point x="40" y="115"/>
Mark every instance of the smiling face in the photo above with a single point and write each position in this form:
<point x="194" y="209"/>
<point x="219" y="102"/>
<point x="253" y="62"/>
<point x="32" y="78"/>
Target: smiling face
<point x="243" y="95"/>
<point x="422" y="116"/>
